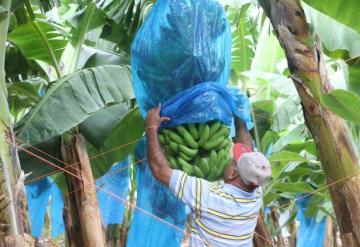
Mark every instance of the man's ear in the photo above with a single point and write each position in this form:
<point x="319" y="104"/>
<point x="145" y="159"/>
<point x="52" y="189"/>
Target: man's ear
<point x="233" y="174"/>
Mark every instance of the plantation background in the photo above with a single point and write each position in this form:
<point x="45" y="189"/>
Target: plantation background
<point x="57" y="57"/>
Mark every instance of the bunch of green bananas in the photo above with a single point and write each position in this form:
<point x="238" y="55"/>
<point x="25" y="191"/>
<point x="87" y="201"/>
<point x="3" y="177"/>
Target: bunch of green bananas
<point x="200" y="150"/>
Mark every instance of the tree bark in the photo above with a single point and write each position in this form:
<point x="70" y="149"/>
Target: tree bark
<point x="14" y="226"/>
<point x="275" y="220"/>
<point x="82" y="214"/>
<point x="262" y="231"/>
<point x="329" y="230"/>
<point x="329" y="131"/>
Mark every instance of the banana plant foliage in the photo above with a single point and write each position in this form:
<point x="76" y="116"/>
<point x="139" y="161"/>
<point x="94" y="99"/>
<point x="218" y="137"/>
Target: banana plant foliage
<point x="344" y="103"/>
<point x="344" y="11"/>
<point x="128" y="13"/>
<point x="74" y="98"/>
<point x="39" y="40"/>
<point x="242" y="46"/>
<point x="353" y="79"/>
<point x="119" y="142"/>
<point x="342" y="42"/>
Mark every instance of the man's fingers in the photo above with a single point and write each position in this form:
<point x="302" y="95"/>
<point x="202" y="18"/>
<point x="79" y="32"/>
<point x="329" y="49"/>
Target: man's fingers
<point x="164" y="119"/>
<point x="158" y="108"/>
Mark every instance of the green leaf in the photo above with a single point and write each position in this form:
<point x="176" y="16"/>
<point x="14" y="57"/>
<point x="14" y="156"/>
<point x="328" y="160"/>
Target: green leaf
<point x="299" y="187"/>
<point x="23" y="89"/>
<point x="71" y="100"/>
<point x="344" y="103"/>
<point x="287" y="112"/>
<point x="269" y="138"/>
<point x="341" y="41"/>
<point x="82" y="22"/>
<point x="344" y="11"/>
<point x="234" y="3"/>
<point x="287" y="156"/>
<point x="297" y="147"/>
<point x="270" y="197"/>
<point x="118" y="144"/>
<point x="16" y="4"/>
<point x="268" y="51"/>
<point x="130" y="14"/>
<point x="263" y="111"/>
<point x="100" y="124"/>
<point x="296" y="134"/>
<point x="353" y="79"/>
<point x="39" y="40"/>
<point x="242" y="52"/>
<point x="49" y="150"/>
<point x="104" y="57"/>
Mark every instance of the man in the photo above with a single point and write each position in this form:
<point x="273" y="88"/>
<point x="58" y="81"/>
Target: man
<point x="221" y="215"/>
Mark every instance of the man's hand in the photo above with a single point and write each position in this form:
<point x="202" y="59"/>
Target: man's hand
<point x="153" y="119"/>
<point x="158" y="164"/>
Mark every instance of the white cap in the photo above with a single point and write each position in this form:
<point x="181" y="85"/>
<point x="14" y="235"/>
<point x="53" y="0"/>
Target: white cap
<point x="254" y="168"/>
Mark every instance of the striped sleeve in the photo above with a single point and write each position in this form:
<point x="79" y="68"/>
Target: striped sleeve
<point x="186" y="188"/>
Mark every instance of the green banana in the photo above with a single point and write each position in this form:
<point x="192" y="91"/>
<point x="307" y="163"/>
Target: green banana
<point x="201" y="128"/>
<point x="173" y="147"/>
<point x="181" y="147"/>
<point x="187" y="136"/>
<point x="185" y="157"/>
<point x="214" y="128"/>
<point x="204" y="135"/>
<point x="204" y="166"/>
<point x="212" y="175"/>
<point x="214" y="144"/>
<point x="173" y="163"/>
<point x="198" y="172"/>
<point x="175" y="137"/>
<point x="186" y="167"/>
<point x="193" y="130"/>
<point x="168" y="150"/>
<point x="223" y="132"/>
<point x="222" y="167"/>
<point x="225" y="143"/>
<point x="188" y="151"/>
<point x="162" y="139"/>
<point x="213" y="159"/>
<point x="221" y="157"/>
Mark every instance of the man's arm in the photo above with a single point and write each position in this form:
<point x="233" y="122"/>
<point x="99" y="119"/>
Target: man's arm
<point x="242" y="134"/>
<point x="158" y="164"/>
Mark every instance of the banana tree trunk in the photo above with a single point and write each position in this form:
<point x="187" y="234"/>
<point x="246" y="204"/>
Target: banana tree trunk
<point x="14" y="226"/>
<point x="329" y="131"/>
<point x="263" y="237"/>
<point x="81" y="215"/>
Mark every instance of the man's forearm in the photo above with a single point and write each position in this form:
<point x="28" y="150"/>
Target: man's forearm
<point x="242" y="134"/>
<point x="158" y="164"/>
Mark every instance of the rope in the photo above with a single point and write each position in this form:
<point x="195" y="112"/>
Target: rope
<point x="128" y="204"/>
<point x="68" y="165"/>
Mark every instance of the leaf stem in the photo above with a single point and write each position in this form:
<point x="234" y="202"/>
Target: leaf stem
<point x="29" y="10"/>
<point x="256" y="132"/>
<point x="48" y="47"/>
<point x="85" y="23"/>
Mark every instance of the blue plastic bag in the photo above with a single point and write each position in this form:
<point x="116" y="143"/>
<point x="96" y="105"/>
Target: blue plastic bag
<point x="46" y="192"/>
<point x="206" y="102"/>
<point x="310" y="232"/>
<point x="160" y="217"/>
<point x="38" y="195"/>
<point x="180" y="57"/>
<point x="182" y="43"/>
<point x="115" y="182"/>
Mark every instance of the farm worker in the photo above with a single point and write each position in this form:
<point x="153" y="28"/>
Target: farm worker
<point x="221" y="215"/>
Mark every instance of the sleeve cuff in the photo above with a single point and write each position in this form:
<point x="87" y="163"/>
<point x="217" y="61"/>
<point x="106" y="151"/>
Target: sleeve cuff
<point x="174" y="181"/>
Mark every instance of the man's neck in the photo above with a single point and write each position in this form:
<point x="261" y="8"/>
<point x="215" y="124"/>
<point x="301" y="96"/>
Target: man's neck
<point x="241" y="185"/>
